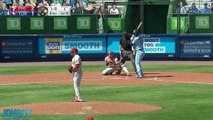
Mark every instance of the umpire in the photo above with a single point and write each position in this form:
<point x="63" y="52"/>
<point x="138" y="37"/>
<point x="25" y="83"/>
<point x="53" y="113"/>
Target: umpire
<point x="126" y="49"/>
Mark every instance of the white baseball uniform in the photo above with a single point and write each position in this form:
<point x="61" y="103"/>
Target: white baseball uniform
<point x="112" y="66"/>
<point x="77" y="75"/>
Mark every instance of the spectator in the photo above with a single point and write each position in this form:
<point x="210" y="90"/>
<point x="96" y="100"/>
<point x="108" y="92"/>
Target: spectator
<point x="8" y="3"/>
<point x="212" y="7"/>
<point x="2" y="6"/>
<point x="43" y="3"/>
<point x="68" y="3"/>
<point x="30" y="3"/>
<point x="114" y="10"/>
<point x="78" y="9"/>
<point x="83" y="3"/>
<point x="56" y="3"/>
<point x="101" y="10"/>
<point x="205" y="9"/>
<point x="193" y="9"/>
<point x="182" y="9"/>
<point x="17" y="3"/>
<point x="90" y="9"/>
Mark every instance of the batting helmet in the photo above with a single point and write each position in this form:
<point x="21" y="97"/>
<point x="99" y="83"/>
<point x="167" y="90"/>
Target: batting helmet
<point x="135" y="32"/>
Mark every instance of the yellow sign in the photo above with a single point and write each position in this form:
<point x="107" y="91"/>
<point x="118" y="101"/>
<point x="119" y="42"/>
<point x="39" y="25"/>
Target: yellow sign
<point x="53" y="45"/>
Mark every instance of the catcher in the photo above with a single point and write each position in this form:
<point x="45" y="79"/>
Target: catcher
<point x="113" y="65"/>
<point x="76" y="70"/>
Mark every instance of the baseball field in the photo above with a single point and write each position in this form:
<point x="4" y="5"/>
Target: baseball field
<point x="170" y="90"/>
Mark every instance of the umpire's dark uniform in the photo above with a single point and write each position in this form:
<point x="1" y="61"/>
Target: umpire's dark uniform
<point x="126" y="50"/>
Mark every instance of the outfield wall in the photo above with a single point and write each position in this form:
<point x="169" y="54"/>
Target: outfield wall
<point x="95" y="47"/>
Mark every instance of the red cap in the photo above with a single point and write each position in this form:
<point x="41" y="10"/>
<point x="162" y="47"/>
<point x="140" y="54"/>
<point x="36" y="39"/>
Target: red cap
<point x="90" y="118"/>
<point x="74" y="50"/>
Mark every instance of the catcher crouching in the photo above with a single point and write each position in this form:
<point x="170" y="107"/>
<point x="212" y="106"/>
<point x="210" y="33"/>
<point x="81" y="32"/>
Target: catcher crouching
<point x="113" y="65"/>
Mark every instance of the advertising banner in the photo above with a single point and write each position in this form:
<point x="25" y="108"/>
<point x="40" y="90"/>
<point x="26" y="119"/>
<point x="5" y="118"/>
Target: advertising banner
<point x="172" y="24"/>
<point x="18" y="48"/>
<point x="201" y="23"/>
<point x="83" y="23"/>
<point x="152" y="45"/>
<point x="114" y="23"/>
<point x="194" y="47"/>
<point x="64" y="45"/>
<point x="13" y="23"/>
<point x="159" y="45"/>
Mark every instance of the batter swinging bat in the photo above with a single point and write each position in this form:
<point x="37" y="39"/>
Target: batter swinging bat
<point x="140" y="24"/>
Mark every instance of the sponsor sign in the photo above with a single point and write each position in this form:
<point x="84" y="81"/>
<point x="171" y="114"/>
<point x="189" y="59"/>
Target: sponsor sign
<point x="152" y="45"/>
<point x="37" y="23"/>
<point x="83" y="23"/>
<point x="114" y="23"/>
<point x="60" y="23"/>
<point x="64" y="45"/>
<point x="202" y="22"/>
<point x="13" y="23"/>
<point x="190" y="47"/>
<point x="159" y="45"/>
<point x="18" y="48"/>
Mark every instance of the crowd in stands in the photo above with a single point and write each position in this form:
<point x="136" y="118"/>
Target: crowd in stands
<point x="207" y="8"/>
<point x="77" y="6"/>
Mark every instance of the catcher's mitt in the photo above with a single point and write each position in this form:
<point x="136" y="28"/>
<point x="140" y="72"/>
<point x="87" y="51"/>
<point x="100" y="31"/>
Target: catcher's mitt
<point x="70" y="69"/>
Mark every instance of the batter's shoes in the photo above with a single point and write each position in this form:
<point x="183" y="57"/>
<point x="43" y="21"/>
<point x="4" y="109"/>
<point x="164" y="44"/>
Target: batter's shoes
<point x="139" y="76"/>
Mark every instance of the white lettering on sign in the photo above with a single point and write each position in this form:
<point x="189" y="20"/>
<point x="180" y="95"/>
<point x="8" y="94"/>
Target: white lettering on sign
<point x="82" y="45"/>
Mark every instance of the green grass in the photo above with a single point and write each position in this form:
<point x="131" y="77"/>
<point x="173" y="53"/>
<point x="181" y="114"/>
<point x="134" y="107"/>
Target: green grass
<point x="178" y="101"/>
<point x="92" y="68"/>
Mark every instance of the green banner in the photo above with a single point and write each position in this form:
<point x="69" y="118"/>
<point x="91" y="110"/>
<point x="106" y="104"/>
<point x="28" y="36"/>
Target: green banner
<point x="13" y="23"/>
<point x="60" y="23"/>
<point x="175" y="23"/>
<point x="114" y="23"/>
<point x="202" y="22"/>
<point x="36" y="23"/>
<point x="83" y="23"/>
<point x="75" y="24"/>
<point x="193" y="23"/>
<point x="172" y="25"/>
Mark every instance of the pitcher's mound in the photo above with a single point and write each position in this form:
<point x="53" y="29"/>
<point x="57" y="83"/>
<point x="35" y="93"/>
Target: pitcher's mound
<point x="65" y="108"/>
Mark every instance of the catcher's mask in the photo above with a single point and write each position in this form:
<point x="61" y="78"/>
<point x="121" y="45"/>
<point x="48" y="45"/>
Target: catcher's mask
<point x="110" y="54"/>
<point x="125" y="34"/>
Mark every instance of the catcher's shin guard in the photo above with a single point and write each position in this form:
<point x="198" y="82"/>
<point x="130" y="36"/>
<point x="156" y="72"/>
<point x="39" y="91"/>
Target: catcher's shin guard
<point x="125" y="70"/>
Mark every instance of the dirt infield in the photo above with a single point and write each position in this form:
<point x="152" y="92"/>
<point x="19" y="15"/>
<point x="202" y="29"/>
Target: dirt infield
<point x="95" y="78"/>
<point x="66" y="108"/>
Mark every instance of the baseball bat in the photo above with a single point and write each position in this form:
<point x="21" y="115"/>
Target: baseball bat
<point x="140" y="24"/>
